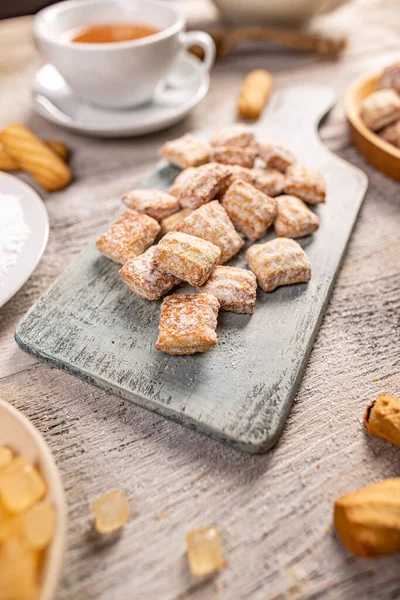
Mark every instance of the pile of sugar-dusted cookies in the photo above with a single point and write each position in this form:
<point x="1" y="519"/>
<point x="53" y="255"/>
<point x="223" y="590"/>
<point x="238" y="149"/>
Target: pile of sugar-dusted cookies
<point x="231" y="189"/>
<point x="380" y="111"/>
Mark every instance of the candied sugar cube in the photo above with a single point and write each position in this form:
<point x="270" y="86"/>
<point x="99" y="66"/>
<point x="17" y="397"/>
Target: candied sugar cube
<point x="189" y="258"/>
<point x="21" y="486"/>
<point x="237" y="135"/>
<point x="186" y="151"/>
<point x="181" y="180"/>
<point x="171" y="223"/>
<point x="155" y="203"/>
<point x="38" y="525"/>
<point x="276" y="156"/>
<point x="111" y="511"/>
<point x="268" y="181"/>
<point x="211" y="222"/>
<point x="380" y="108"/>
<point x="231" y="155"/>
<point x="206" y="184"/>
<point x="19" y="578"/>
<point x="234" y="288"/>
<point x="187" y="324"/>
<point x="143" y="278"/>
<point x="391" y="77"/>
<point x="6" y="456"/>
<point x="294" y="219"/>
<point x="306" y="183"/>
<point x="250" y="210"/>
<point x="281" y="261"/>
<point x="130" y="235"/>
<point x="204" y="551"/>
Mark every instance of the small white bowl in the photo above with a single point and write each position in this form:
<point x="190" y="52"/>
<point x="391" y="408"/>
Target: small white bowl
<point x="282" y="12"/>
<point x="18" y="433"/>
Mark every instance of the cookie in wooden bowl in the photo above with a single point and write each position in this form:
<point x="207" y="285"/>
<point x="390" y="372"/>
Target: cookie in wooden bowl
<point x="379" y="152"/>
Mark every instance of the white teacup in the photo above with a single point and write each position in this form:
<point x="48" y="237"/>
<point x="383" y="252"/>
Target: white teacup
<point x="118" y="74"/>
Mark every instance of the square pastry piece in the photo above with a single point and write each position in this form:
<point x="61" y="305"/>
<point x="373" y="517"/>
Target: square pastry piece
<point x="380" y="108"/>
<point x="187" y="323"/>
<point x="171" y="223"/>
<point x="250" y="210"/>
<point x="231" y="155"/>
<point x="186" y="151"/>
<point x="211" y="222"/>
<point x="181" y="180"/>
<point x="155" y="203"/>
<point x="206" y="184"/>
<point x="276" y="156"/>
<point x="145" y="279"/>
<point x="186" y="257"/>
<point x="237" y="135"/>
<point x="279" y="262"/>
<point x="305" y="183"/>
<point x="294" y="218"/>
<point x="235" y="289"/>
<point x="269" y="181"/>
<point x="391" y="134"/>
<point x="391" y="77"/>
<point x="129" y="236"/>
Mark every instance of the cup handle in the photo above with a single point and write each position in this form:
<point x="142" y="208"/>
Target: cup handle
<point x="205" y="41"/>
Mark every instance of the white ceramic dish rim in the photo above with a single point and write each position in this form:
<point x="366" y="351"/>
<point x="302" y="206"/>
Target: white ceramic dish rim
<point x="24" y="275"/>
<point x="56" y="552"/>
<point x="59" y="7"/>
<point x="57" y="116"/>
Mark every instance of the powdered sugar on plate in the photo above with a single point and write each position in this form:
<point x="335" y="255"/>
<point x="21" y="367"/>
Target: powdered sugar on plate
<point x="14" y="232"/>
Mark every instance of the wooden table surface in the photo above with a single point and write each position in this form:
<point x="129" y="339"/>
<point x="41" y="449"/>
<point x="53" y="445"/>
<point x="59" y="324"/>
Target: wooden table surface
<point x="274" y="511"/>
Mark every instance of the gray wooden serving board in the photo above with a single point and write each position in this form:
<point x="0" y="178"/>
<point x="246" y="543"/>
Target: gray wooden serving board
<point x="91" y="325"/>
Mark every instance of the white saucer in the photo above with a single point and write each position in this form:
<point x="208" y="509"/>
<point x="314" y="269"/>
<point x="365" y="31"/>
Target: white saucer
<point x="54" y="100"/>
<point x="25" y="243"/>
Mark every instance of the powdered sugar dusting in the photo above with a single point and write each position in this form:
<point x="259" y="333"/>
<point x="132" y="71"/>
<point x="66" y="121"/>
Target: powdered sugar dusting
<point x="14" y="232"/>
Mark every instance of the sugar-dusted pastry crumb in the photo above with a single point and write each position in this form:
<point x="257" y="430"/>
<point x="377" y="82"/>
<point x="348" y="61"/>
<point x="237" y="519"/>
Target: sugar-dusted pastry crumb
<point x="231" y="155"/>
<point x="187" y="323"/>
<point x="279" y="262"/>
<point x="143" y="278"/>
<point x="207" y="183"/>
<point x="305" y="183"/>
<point x="155" y="203"/>
<point x="130" y="235"/>
<point x="187" y="257"/>
<point x="171" y="223"/>
<point x="211" y="222"/>
<point x="186" y="151"/>
<point x="269" y="181"/>
<point x="250" y="210"/>
<point x="234" y="288"/>
<point x="380" y="108"/>
<point x="111" y="512"/>
<point x="237" y="135"/>
<point x="276" y="156"/>
<point x="294" y="219"/>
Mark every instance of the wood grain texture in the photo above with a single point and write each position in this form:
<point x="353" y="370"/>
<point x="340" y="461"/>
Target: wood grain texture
<point x="274" y="511"/>
<point x="90" y="325"/>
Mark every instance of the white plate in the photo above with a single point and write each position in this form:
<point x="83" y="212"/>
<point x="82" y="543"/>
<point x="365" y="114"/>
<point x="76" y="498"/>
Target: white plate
<point x="18" y="433"/>
<point x="54" y="100"/>
<point x="37" y="222"/>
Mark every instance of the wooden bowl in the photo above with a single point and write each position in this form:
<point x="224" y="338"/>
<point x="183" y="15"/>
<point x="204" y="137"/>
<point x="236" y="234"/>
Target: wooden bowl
<point x="381" y="154"/>
<point x="18" y="433"/>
